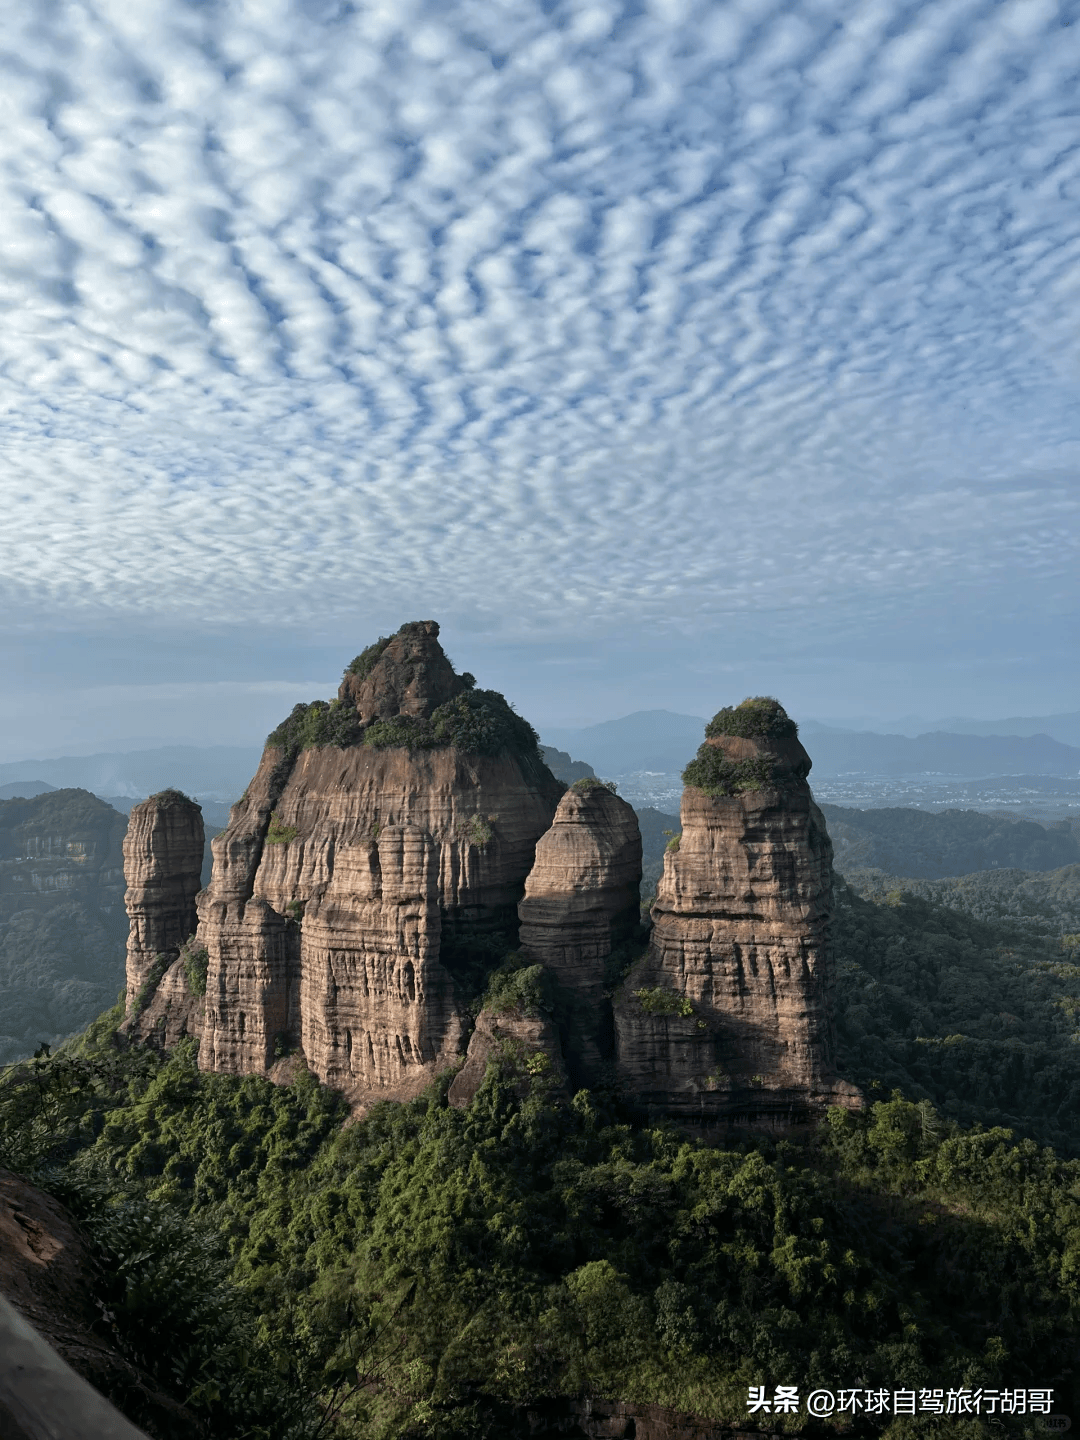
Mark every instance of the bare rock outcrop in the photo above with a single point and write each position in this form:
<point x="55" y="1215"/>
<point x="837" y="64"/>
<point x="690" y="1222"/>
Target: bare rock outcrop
<point x="163" y="856"/>
<point x="726" y="1021"/>
<point x="405" y="674"/>
<point x="581" y="902"/>
<point x="353" y="877"/>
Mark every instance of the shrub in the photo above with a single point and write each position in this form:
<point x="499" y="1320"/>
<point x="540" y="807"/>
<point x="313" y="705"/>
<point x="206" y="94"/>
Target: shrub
<point x="400" y="732"/>
<point x="717" y="774"/>
<point x="483" y="722"/>
<point x="196" y="965"/>
<point x="673" y="843"/>
<point x="320" y="723"/>
<point x="756" y="717"/>
<point x="148" y="988"/>
<point x="171" y="796"/>
<point x="516" y="986"/>
<point x="590" y="782"/>
<point x="659" y="1001"/>
<point x="477" y="830"/>
<point x="366" y="661"/>
<point x="279" y="833"/>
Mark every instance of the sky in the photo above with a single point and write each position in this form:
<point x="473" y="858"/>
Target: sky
<point x="664" y="352"/>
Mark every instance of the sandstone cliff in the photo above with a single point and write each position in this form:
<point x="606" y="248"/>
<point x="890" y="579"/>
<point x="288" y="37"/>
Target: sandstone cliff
<point x="163" y="855"/>
<point x="384" y="838"/>
<point x="726" y="1020"/>
<point x="62" y="845"/>
<point x="581" y="903"/>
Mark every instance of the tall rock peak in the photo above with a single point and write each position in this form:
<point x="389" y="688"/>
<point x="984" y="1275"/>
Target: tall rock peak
<point x="405" y="674"/>
<point x="581" y="903"/>
<point x="385" y="837"/>
<point x="163" y="856"/>
<point x="726" y="1020"/>
<point x="396" y="843"/>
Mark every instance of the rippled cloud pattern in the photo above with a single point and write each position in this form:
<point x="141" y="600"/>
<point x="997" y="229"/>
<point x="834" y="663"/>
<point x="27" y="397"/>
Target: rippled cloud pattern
<point x="544" y="316"/>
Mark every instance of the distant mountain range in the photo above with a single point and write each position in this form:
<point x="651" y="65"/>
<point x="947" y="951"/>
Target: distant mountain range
<point x="658" y="740"/>
<point x="661" y="740"/>
<point x="219" y="770"/>
<point x="840" y="753"/>
<point x="1064" y="727"/>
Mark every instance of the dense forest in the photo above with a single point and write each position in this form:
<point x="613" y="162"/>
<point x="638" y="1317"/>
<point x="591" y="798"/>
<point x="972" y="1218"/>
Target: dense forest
<point x="435" y="1272"/>
<point x="283" y="1274"/>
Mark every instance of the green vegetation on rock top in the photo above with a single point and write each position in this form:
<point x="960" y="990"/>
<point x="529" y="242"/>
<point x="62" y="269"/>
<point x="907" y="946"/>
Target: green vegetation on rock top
<point x="481" y="722"/>
<point x="172" y="796"/>
<point x="756" y="717"/>
<point x="717" y="774"/>
<point x="333" y="722"/>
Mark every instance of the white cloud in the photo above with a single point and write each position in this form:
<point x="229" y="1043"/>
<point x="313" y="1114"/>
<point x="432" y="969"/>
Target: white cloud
<point x="592" y="316"/>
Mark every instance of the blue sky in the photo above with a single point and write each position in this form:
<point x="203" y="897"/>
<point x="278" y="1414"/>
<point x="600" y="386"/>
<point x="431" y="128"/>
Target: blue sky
<point x="662" y="351"/>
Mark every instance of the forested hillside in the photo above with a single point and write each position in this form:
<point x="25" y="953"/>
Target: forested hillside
<point x="63" y="927"/>
<point x="430" y="1272"/>
<point x="928" y="845"/>
<point x="438" y="1274"/>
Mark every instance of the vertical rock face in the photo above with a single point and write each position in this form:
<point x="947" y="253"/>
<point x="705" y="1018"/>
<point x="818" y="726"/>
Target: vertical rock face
<point x="353" y="875"/>
<point x="581" y="902"/>
<point x="726" y="1020"/>
<point x="163" y="855"/>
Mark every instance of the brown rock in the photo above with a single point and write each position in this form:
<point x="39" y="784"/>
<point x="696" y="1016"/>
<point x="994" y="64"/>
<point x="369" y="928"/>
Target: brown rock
<point x="411" y="677"/>
<point x="163" y="855"/>
<point x="347" y="881"/>
<point x="726" y="1020"/>
<point x="581" y="901"/>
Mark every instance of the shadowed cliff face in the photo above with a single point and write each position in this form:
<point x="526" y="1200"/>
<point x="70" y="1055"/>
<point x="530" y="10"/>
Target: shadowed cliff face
<point x="726" y="1020"/>
<point x="63" y="928"/>
<point x="581" y="901"/>
<point x="163" y="856"/>
<point x="345" y="876"/>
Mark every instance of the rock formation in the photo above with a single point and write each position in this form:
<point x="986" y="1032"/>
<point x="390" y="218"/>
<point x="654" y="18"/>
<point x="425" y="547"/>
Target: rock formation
<point x="564" y="767"/>
<point x="581" y="903"/>
<point x="726" y="1020"/>
<point x="525" y="1043"/>
<point x="382" y="838"/>
<point x="63" y="845"/>
<point x="163" y="855"/>
<point x="395" y="844"/>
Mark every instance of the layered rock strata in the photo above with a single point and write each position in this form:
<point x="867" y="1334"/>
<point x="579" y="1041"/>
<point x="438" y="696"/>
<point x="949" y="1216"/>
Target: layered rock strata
<point x="726" y="1020"/>
<point x="352" y="878"/>
<point x="581" y="903"/>
<point x="163" y="856"/>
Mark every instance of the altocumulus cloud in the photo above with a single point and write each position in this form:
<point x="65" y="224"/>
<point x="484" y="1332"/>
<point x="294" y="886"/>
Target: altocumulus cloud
<point x="541" y="314"/>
